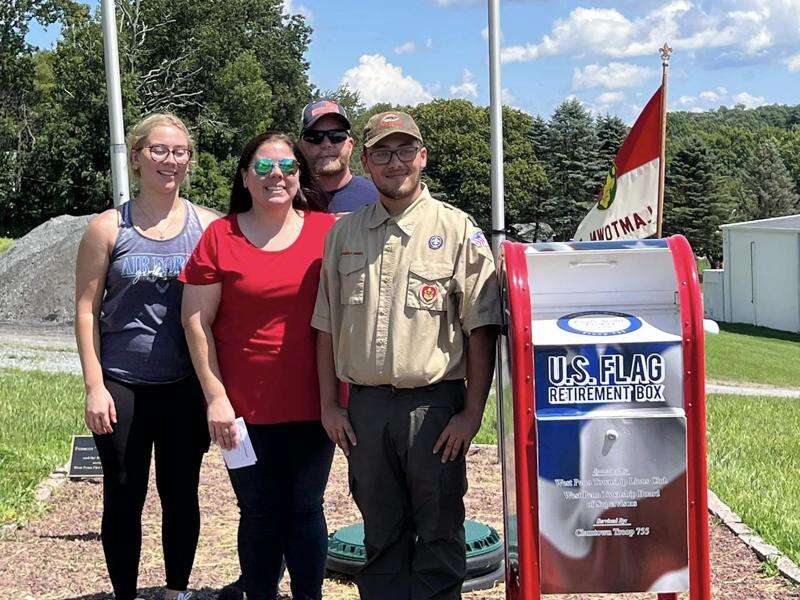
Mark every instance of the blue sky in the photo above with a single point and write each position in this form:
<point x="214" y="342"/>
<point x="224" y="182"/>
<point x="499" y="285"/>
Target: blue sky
<point x="726" y="52"/>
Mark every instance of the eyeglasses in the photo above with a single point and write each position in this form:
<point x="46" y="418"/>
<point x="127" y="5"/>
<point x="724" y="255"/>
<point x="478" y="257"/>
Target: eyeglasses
<point x="316" y="136"/>
<point x="264" y="166"/>
<point x="384" y="157"/>
<point x="160" y="152"/>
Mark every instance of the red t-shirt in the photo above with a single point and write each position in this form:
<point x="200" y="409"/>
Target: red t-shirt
<point x="262" y="331"/>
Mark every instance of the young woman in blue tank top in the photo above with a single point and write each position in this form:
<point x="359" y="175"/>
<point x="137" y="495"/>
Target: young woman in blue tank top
<point x="141" y="390"/>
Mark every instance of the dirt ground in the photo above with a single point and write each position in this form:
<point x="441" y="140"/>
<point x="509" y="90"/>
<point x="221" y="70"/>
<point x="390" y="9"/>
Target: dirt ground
<point x="59" y="556"/>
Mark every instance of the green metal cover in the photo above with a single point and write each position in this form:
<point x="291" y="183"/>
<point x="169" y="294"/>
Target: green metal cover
<point x="348" y="542"/>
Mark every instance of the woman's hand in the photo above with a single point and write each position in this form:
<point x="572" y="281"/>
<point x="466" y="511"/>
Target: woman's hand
<point x="222" y="423"/>
<point x="100" y="411"/>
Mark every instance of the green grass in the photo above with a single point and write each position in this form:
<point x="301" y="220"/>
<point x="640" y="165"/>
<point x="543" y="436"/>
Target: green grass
<point x="5" y="243"/>
<point x="487" y="434"/>
<point x="39" y="412"/>
<point x="746" y="353"/>
<point x="754" y="464"/>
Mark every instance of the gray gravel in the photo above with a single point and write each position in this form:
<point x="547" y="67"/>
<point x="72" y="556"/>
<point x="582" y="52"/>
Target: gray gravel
<point x="37" y="359"/>
<point x="37" y="273"/>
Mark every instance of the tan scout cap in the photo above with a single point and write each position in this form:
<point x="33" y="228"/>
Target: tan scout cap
<point x="386" y="123"/>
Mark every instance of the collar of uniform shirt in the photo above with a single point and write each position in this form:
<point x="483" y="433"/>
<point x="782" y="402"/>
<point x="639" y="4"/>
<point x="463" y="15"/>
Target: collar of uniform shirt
<point x="406" y="220"/>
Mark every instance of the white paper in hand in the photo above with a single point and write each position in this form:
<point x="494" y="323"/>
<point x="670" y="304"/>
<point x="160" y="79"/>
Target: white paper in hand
<point x="243" y="454"/>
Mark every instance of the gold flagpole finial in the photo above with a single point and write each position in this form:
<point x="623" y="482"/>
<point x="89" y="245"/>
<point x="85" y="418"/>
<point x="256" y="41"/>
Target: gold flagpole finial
<point x="665" y="51"/>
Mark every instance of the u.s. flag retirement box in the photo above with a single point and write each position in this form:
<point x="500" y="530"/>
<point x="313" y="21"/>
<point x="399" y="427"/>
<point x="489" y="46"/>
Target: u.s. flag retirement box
<point x="597" y="369"/>
<point x="612" y="454"/>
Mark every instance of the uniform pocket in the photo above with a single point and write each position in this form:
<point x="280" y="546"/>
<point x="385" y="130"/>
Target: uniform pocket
<point x="452" y="489"/>
<point x="428" y="285"/>
<point x="352" y="276"/>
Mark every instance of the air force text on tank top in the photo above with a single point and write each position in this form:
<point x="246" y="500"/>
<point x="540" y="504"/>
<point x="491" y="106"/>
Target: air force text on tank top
<point x="141" y="336"/>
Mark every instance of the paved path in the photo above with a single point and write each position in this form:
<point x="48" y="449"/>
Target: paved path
<point x="742" y="389"/>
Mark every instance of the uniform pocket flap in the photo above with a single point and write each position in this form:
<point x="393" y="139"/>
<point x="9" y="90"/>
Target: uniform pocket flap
<point x="431" y="271"/>
<point x="351" y="263"/>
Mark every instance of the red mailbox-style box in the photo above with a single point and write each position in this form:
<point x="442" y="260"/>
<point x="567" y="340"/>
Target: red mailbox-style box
<point x="601" y="419"/>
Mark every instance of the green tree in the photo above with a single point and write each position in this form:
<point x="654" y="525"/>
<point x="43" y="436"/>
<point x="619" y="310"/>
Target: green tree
<point x="456" y="134"/>
<point x="611" y="132"/>
<point x="20" y="102"/>
<point x="575" y="172"/>
<point x="769" y="190"/>
<point x="540" y="137"/>
<point x="693" y="203"/>
<point x="790" y="153"/>
<point x="229" y="69"/>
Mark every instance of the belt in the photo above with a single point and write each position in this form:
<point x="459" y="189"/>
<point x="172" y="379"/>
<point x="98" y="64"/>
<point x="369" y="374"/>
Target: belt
<point x="390" y="388"/>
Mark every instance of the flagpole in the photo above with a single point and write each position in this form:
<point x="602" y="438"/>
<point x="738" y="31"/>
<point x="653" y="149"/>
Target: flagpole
<point x="119" y="152"/>
<point x="496" y="113"/>
<point x="665" y="51"/>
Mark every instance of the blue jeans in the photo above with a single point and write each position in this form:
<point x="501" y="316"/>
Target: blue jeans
<point x="280" y="504"/>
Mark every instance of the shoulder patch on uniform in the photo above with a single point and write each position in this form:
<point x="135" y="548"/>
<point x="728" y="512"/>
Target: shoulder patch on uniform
<point x="435" y="242"/>
<point x="478" y="239"/>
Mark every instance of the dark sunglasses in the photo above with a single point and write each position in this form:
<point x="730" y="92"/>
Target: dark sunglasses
<point x="264" y="166"/>
<point x="316" y="136"/>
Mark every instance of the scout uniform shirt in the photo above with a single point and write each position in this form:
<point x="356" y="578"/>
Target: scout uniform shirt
<point x="399" y="294"/>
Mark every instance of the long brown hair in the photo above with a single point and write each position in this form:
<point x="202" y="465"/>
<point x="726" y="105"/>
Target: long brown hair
<point x="309" y="197"/>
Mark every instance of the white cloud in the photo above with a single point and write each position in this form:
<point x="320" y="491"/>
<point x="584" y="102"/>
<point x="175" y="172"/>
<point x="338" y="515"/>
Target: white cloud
<point x="467" y="87"/>
<point x="610" y="97"/>
<point x="614" y="75"/>
<point x="793" y="63"/>
<point x="748" y="100"/>
<point x="377" y="80"/>
<point x="744" y="27"/>
<point x="710" y="96"/>
<point x="507" y="98"/>
<point x="411" y="47"/>
<point x="719" y="96"/>
<point x="406" y="48"/>
<point x="290" y="8"/>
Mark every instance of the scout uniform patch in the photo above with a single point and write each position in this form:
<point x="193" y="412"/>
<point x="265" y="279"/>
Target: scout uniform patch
<point x="435" y="242"/>
<point x="427" y="292"/>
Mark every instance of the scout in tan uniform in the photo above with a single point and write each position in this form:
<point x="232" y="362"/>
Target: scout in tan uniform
<point x="407" y="309"/>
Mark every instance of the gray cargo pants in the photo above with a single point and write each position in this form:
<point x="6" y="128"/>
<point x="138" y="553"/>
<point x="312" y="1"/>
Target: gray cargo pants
<point x="412" y="504"/>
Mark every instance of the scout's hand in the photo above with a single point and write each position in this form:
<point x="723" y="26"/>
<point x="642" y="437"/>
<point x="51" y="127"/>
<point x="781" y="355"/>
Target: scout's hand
<point x="458" y="435"/>
<point x="100" y="410"/>
<point x="222" y="423"/>
<point x="337" y="425"/>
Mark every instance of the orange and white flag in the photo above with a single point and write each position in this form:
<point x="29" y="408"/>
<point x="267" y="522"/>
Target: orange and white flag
<point x="628" y="205"/>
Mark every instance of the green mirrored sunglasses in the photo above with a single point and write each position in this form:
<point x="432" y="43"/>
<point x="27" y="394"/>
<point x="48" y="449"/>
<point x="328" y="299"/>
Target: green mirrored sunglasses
<point x="264" y="166"/>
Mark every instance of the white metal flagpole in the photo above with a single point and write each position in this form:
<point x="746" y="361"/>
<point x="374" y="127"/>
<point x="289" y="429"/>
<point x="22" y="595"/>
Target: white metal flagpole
<point x="119" y="152"/>
<point x="496" y="111"/>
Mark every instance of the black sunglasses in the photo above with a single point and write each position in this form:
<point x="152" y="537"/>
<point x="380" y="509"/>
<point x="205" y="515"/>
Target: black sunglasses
<point x="316" y="136"/>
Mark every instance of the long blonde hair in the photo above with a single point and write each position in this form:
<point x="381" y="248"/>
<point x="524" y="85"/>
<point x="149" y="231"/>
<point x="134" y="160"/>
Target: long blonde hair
<point x="143" y="128"/>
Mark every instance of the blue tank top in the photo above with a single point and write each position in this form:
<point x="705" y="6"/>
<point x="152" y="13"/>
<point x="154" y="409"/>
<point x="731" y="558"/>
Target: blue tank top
<point x="141" y="336"/>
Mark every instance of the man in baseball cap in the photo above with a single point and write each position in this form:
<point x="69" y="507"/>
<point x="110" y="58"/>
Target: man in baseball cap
<point x="405" y="283"/>
<point x="327" y="144"/>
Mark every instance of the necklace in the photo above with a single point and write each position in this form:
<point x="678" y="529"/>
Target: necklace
<point x="161" y="230"/>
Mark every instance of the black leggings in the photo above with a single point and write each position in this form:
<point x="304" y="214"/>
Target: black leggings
<point x="170" y="417"/>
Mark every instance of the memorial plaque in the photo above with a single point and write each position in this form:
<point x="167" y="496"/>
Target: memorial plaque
<point x="612" y="455"/>
<point x="84" y="460"/>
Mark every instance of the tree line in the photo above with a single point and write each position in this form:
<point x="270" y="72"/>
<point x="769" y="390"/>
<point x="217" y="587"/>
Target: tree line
<point x="232" y="69"/>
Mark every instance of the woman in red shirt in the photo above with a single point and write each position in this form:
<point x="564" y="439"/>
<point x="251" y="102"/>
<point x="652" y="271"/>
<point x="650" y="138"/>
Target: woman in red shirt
<point x="250" y="288"/>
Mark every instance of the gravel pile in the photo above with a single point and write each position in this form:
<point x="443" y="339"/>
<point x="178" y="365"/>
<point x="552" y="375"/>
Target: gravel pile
<point x="37" y="274"/>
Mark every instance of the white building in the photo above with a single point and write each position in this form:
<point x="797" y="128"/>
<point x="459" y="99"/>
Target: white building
<point x="760" y="283"/>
